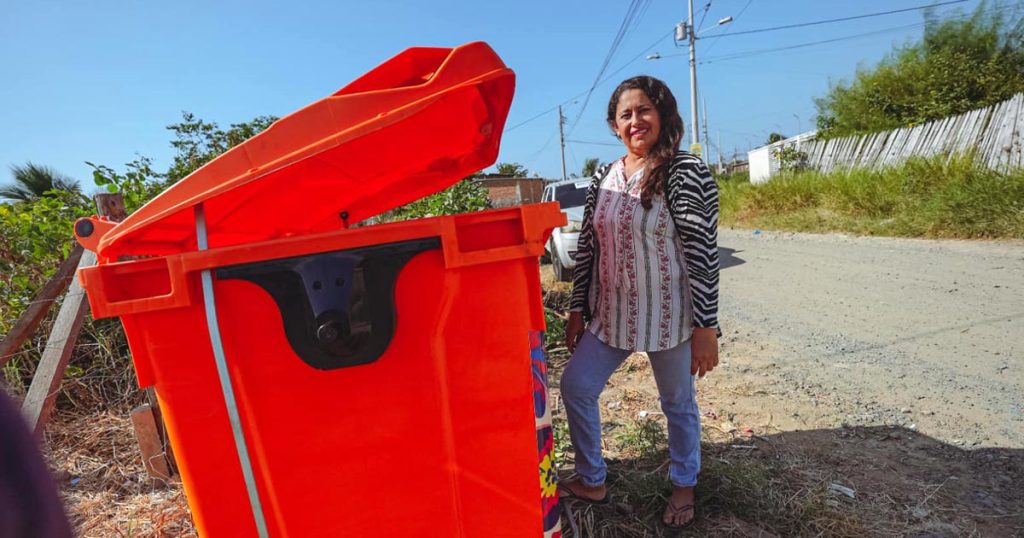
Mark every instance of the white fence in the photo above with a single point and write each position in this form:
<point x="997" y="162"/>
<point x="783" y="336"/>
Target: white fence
<point x="993" y="133"/>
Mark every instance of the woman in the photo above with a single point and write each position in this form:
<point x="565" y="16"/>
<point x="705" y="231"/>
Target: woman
<point x="646" y="279"/>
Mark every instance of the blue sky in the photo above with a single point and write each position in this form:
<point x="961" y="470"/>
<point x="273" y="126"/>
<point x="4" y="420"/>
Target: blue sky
<point x="98" y="81"/>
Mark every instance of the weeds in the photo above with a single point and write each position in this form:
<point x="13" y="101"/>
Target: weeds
<point x="937" y="197"/>
<point x="643" y="438"/>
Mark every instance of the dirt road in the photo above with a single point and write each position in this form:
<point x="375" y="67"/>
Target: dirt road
<point x="928" y="335"/>
<point x="894" y="367"/>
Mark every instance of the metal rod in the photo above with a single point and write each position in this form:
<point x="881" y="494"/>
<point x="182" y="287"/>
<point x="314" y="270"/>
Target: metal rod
<point x="225" y="380"/>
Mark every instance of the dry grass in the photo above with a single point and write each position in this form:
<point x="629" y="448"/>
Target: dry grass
<point x="750" y="486"/>
<point x="105" y="489"/>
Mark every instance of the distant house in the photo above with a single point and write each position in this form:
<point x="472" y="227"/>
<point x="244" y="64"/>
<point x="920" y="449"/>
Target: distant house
<point x="505" y="191"/>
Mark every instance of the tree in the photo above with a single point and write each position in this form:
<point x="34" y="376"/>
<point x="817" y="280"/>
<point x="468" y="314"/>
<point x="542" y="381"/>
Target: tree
<point x="775" y="137"/>
<point x="590" y="166"/>
<point x="512" y="170"/>
<point x="961" y="64"/>
<point x="32" y="181"/>
<point x="198" y="142"/>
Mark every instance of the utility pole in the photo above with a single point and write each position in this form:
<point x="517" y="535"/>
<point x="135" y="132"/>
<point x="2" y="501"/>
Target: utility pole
<point x="694" y="126"/>
<point x="720" y="167"/>
<point x="561" y="136"/>
<point x="707" y="139"/>
<point x="686" y="30"/>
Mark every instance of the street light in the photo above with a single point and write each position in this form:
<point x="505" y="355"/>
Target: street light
<point x="686" y="31"/>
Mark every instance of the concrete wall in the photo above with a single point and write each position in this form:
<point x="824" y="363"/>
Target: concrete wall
<point x="760" y="165"/>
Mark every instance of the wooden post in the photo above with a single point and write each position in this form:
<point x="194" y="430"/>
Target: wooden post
<point x="148" y="433"/>
<point x="46" y="381"/>
<point x="42" y="392"/>
<point x="34" y="314"/>
<point x="111" y="206"/>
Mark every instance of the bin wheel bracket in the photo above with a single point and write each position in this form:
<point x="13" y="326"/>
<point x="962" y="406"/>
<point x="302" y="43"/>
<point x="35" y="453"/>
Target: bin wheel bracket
<point x="338" y="308"/>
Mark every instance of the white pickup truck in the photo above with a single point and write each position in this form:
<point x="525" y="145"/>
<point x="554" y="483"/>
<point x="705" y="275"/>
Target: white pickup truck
<point x="571" y="195"/>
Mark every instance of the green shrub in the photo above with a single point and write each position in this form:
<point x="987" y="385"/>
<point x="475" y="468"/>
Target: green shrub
<point x="935" y="197"/>
<point x="962" y="63"/>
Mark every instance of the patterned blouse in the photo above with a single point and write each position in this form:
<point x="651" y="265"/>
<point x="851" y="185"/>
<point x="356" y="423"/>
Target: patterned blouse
<point x="640" y="297"/>
<point x="656" y="269"/>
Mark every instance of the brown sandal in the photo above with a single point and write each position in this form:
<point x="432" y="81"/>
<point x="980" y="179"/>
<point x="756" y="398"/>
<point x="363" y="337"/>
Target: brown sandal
<point x="673" y="510"/>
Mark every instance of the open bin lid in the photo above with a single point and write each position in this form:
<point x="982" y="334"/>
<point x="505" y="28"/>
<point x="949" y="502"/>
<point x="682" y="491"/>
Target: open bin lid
<point x="411" y="127"/>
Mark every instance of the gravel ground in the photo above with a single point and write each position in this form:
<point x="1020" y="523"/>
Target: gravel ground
<point x="862" y="331"/>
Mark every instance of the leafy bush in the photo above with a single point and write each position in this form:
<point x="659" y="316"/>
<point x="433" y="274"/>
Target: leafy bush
<point x="962" y="63"/>
<point x="36" y="235"/>
<point x="462" y="197"/>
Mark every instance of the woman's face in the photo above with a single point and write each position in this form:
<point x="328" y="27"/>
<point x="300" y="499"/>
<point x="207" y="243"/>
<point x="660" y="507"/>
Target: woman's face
<point x="637" y="122"/>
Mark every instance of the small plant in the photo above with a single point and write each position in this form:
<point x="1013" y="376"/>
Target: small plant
<point x="644" y="438"/>
<point x="563" y="445"/>
<point x="790" y="158"/>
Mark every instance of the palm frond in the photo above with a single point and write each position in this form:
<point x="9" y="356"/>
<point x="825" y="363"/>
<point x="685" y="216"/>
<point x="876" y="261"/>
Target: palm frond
<point x="32" y="181"/>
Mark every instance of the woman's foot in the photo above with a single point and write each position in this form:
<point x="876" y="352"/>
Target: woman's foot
<point x="679" y="512"/>
<point x="574" y="488"/>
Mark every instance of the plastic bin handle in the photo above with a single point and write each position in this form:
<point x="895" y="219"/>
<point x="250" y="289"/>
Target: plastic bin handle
<point x="501" y="235"/>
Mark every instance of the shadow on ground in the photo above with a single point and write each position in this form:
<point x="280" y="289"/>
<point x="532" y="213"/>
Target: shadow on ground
<point x="727" y="258"/>
<point x="800" y="483"/>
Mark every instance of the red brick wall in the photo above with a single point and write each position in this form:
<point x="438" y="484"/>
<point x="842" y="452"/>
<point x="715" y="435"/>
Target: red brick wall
<point x="504" y="192"/>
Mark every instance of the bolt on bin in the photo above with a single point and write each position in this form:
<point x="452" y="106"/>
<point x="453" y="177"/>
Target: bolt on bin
<point x="324" y="379"/>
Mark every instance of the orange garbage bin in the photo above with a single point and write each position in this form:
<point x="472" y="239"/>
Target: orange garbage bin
<point x="319" y="378"/>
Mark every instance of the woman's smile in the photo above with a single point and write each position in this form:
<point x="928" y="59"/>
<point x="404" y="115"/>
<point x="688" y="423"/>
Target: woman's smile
<point x="637" y="122"/>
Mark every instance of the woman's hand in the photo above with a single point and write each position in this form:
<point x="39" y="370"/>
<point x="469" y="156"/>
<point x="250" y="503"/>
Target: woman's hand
<point x="573" y="330"/>
<point x="703" y="350"/>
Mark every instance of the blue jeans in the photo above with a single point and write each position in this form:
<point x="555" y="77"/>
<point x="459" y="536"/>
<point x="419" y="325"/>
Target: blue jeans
<point x="586" y="376"/>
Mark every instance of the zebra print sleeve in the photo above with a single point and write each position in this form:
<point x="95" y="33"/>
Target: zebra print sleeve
<point x="585" y="249"/>
<point x="693" y="197"/>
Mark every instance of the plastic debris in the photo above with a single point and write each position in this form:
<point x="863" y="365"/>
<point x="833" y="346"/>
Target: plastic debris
<point x="843" y="490"/>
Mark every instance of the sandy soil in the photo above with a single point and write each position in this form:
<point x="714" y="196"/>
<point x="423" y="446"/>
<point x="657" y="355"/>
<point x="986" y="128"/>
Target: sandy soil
<point x="924" y="334"/>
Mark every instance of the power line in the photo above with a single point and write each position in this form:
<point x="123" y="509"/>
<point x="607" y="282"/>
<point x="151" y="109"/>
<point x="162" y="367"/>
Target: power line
<point x="749" y="53"/>
<point x="542" y="148"/>
<point x="721" y="58"/>
<point x="605" y="79"/>
<point x="705" y="15"/>
<point x="636" y="7"/>
<point x="637" y="57"/>
<point x="727" y="32"/>
<point x="575" y="163"/>
<point x="842" y="19"/>
<point x="746" y="54"/>
<point x="592" y="143"/>
<point x="548" y="111"/>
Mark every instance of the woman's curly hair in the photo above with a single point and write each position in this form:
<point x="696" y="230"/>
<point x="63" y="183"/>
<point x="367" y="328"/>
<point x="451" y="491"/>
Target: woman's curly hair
<point x="660" y="157"/>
